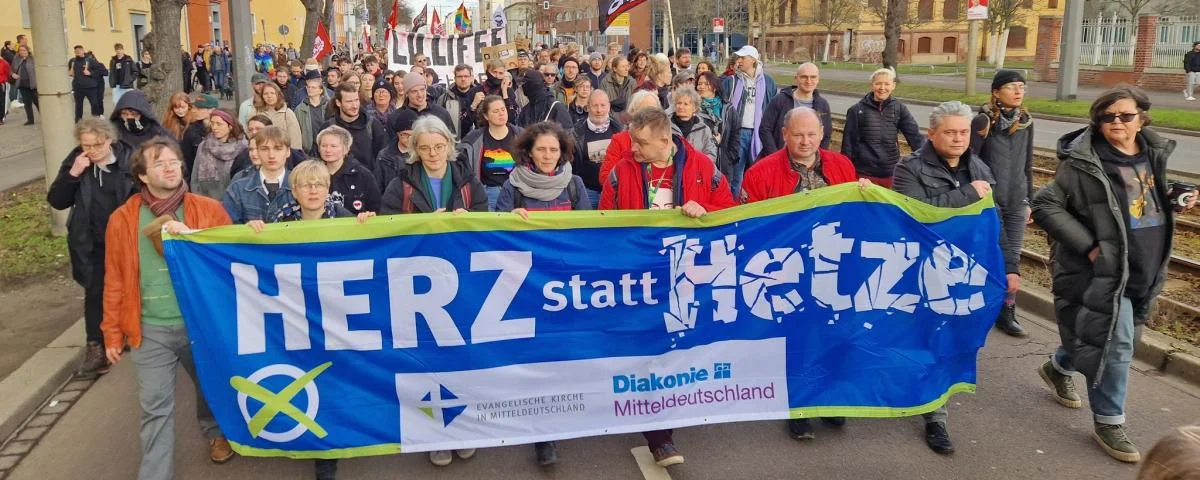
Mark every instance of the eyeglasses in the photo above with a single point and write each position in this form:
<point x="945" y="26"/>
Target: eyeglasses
<point x="1014" y="87"/>
<point x="426" y="149"/>
<point x="312" y="186"/>
<point x="169" y="163"/>
<point x="1112" y="117"/>
<point x="92" y="146"/>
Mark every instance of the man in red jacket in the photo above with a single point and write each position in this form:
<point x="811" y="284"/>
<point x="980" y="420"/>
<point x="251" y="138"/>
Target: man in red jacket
<point x="664" y="172"/>
<point x="801" y="165"/>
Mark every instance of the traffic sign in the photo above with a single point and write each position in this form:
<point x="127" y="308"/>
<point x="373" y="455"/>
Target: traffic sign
<point x="718" y="24"/>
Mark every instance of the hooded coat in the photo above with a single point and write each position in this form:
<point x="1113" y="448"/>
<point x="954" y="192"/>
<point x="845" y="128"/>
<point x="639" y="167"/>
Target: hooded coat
<point x="147" y="127"/>
<point x="1080" y="211"/>
<point x="543" y="107"/>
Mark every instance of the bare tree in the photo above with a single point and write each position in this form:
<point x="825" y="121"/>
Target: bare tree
<point x="894" y="15"/>
<point x="761" y="12"/>
<point x="835" y="16"/>
<point x="166" y="75"/>
<point x="314" y="11"/>
<point x="1002" y="15"/>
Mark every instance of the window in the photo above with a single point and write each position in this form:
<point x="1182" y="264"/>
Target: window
<point x="112" y="16"/>
<point x="950" y="10"/>
<point x="783" y="6"/>
<point x="791" y="48"/>
<point x="924" y="44"/>
<point x="950" y="45"/>
<point x="925" y="10"/>
<point x="82" y="14"/>
<point x="1026" y="3"/>
<point x="1016" y="37"/>
<point x="795" y="11"/>
<point x="901" y="47"/>
<point x="1051" y="3"/>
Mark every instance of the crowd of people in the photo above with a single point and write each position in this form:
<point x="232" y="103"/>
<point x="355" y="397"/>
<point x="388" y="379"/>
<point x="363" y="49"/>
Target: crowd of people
<point x="569" y="130"/>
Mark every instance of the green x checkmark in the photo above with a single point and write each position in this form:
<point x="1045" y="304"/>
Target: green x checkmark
<point x="276" y="403"/>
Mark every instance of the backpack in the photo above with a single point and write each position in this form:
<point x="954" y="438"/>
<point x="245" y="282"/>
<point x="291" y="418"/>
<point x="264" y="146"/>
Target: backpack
<point x="572" y="193"/>
<point x="407" y="193"/>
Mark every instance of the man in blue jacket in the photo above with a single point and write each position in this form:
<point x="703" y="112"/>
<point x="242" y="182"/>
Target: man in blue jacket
<point x="804" y="94"/>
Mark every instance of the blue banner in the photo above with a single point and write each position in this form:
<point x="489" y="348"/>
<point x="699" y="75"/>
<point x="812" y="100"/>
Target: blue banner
<point x="330" y="339"/>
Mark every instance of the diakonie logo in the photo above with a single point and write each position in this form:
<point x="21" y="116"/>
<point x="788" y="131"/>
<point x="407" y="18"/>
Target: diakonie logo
<point x="632" y="383"/>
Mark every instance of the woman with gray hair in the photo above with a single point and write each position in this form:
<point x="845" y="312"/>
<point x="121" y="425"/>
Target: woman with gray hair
<point x="94" y="179"/>
<point x="431" y="182"/>
<point x="869" y="138"/>
<point x="686" y="114"/>
<point x="352" y="185"/>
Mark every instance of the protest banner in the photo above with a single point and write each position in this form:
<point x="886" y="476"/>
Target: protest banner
<point x="443" y="51"/>
<point x="506" y="52"/>
<point x="331" y="339"/>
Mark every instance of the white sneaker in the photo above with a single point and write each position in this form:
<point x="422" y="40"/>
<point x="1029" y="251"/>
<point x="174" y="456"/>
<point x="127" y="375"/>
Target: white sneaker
<point x="441" y="458"/>
<point x="465" y="453"/>
<point x="1191" y="99"/>
<point x="16" y="104"/>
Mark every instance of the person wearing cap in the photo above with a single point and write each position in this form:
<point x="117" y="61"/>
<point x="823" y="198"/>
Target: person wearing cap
<point x="416" y="99"/>
<point x="368" y="133"/>
<point x="197" y="130"/>
<point x="396" y="153"/>
<point x="216" y="155"/>
<point x="803" y="94"/>
<point x="462" y="98"/>
<point x="595" y="68"/>
<point x="750" y="91"/>
<point x="382" y="103"/>
<point x="869" y="137"/>
<point x="135" y="121"/>
<point x="1002" y="135"/>
<point x="1191" y="65"/>
<point x="311" y="112"/>
<point x="246" y="109"/>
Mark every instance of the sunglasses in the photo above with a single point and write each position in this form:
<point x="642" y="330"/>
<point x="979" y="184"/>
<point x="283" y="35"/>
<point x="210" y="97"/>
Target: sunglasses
<point x="1112" y="117"/>
<point x="550" y="75"/>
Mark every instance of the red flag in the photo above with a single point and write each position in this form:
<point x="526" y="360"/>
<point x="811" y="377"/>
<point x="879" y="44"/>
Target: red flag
<point x="393" y="19"/>
<point x="609" y="9"/>
<point x="322" y="46"/>
<point x="435" y="27"/>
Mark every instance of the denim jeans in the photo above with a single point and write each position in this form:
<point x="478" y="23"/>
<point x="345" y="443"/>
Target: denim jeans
<point x="594" y="198"/>
<point x="738" y="169"/>
<point x="1108" y="398"/>
<point x="493" y="194"/>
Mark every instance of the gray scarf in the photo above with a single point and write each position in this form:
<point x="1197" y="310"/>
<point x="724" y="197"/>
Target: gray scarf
<point x="539" y="186"/>
<point x="214" y="158"/>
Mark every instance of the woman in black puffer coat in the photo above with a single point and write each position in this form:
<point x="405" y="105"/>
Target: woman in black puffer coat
<point x="869" y="138"/>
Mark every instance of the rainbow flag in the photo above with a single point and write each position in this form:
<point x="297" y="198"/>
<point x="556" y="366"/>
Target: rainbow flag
<point x="462" y="19"/>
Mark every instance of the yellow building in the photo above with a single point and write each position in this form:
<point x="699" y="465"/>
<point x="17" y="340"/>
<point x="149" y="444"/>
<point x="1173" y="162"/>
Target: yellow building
<point x="95" y="24"/>
<point x="937" y="34"/>
<point x="277" y="22"/>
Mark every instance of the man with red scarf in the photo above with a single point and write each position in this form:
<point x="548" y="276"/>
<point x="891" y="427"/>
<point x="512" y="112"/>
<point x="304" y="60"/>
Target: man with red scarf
<point x="140" y="306"/>
<point x="664" y="173"/>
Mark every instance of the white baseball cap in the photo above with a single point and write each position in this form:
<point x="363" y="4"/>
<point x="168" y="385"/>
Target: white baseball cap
<point x="747" y="51"/>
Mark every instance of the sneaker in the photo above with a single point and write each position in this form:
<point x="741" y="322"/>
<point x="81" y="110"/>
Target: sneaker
<point x="95" y="363"/>
<point x="1007" y="322"/>
<point x="1114" y="442"/>
<point x="465" y="453"/>
<point x="1062" y="387"/>
<point x="441" y="458"/>
<point x="667" y="455"/>
<point x="834" y="421"/>
<point x="800" y="429"/>
<point x="547" y="453"/>
<point x="1191" y="99"/>
<point x="219" y="450"/>
<point x="938" y="438"/>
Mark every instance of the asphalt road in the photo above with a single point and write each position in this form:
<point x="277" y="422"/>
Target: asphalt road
<point x="1010" y="429"/>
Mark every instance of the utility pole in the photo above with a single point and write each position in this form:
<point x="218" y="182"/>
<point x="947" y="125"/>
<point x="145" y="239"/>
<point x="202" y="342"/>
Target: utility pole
<point x="243" y="55"/>
<point x="1068" y="51"/>
<point x="972" y="54"/>
<point x="48" y="23"/>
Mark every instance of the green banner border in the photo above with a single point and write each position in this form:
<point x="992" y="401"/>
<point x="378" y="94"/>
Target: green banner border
<point x="434" y="223"/>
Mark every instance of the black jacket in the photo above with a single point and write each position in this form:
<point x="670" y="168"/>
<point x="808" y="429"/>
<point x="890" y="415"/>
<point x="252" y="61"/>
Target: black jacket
<point x="389" y="163"/>
<point x="925" y="177"/>
<point x="869" y="138"/>
<point x="543" y="107"/>
<point x="193" y="136"/>
<point x="770" y="131"/>
<point x="458" y="106"/>
<point x="136" y="100"/>
<point x="430" y="109"/>
<point x="88" y="221"/>
<point x="123" y="72"/>
<point x="465" y="184"/>
<point x="1010" y="157"/>
<point x="1191" y="61"/>
<point x="369" y="134"/>
<point x="79" y="81"/>
<point x="1079" y="211"/>
<point x="354" y="188"/>
<point x="584" y="165"/>
<point x="510" y="102"/>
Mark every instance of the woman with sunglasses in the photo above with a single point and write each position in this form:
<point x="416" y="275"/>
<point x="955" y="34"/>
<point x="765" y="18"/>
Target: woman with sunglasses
<point x="1112" y="218"/>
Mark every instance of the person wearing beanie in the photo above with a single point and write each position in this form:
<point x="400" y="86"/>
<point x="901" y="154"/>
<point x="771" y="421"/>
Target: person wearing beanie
<point x="246" y="109"/>
<point x="395" y="154"/>
<point x="595" y="68"/>
<point x="416" y="99"/>
<point x="1002" y="136"/>
<point x="311" y="112"/>
<point x="564" y="89"/>
<point x="382" y="101"/>
<point x="1191" y="65"/>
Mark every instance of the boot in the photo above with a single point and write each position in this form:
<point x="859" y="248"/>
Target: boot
<point x="1007" y="322"/>
<point x="95" y="363"/>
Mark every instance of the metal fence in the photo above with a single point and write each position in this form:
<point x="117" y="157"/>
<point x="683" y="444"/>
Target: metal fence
<point x="1175" y="38"/>
<point x="1107" y="41"/>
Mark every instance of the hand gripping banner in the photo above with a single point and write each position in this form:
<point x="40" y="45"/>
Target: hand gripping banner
<point x="330" y="339"/>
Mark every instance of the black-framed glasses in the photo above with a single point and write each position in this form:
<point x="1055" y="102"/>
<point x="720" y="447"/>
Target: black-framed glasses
<point x="1112" y="117"/>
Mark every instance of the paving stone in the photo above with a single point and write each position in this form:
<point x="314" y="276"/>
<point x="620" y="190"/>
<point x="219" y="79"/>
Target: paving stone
<point x="32" y="433"/>
<point x="17" y="447"/>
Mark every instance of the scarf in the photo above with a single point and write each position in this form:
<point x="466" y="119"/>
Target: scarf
<point x="711" y="105"/>
<point x="1009" y="116"/>
<point x="569" y="83"/>
<point x="165" y="206"/>
<point x="493" y="81"/>
<point x="447" y="188"/>
<point x="539" y="186"/>
<point x="214" y="158"/>
<point x="598" y="127"/>
<point x="685" y="126"/>
<point x="760" y="86"/>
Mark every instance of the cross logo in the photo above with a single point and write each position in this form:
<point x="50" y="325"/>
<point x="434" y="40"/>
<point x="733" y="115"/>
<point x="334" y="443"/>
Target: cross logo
<point x="722" y="371"/>
<point x="281" y="402"/>
<point x="446" y="405"/>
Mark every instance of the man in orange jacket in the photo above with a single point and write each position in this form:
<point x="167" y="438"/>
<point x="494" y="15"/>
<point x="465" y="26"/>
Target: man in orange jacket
<point x="140" y="306"/>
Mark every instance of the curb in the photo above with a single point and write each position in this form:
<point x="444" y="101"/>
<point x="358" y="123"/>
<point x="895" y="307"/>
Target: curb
<point x="39" y="377"/>
<point x="1166" y="354"/>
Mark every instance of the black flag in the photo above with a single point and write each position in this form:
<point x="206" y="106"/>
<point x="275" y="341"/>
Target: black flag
<point x="609" y="9"/>
<point x="421" y="19"/>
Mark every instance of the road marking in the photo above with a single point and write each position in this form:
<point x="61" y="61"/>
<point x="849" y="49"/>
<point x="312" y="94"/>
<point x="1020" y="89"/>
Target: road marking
<point x="645" y="461"/>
